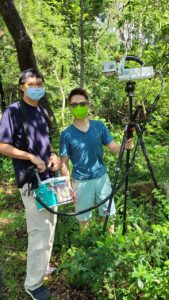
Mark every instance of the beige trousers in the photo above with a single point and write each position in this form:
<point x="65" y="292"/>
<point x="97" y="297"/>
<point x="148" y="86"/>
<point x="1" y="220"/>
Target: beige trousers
<point x="41" y="229"/>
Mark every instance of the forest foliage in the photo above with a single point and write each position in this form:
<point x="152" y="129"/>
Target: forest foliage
<point x="110" y="28"/>
<point x="71" y="39"/>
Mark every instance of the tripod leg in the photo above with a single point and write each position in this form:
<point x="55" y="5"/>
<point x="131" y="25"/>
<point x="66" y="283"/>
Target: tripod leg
<point x="126" y="193"/>
<point x="143" y="147"/>
<point x="117" y="170"/>
<point x="130" y="129"/>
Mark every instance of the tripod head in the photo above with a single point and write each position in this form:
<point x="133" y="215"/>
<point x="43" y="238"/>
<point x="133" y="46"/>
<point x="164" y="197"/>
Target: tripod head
<point x="130" y="87"/>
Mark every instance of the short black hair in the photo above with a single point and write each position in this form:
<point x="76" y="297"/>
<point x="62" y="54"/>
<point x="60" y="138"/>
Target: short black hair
<point x="78" y="91"/>
<point x="29" y="73"/>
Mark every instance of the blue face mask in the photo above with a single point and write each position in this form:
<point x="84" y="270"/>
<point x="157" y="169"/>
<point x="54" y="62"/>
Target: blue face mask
<point x="35" y="93"/>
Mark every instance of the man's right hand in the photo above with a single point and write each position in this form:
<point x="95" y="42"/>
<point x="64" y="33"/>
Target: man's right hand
<point x="40" y="164"/>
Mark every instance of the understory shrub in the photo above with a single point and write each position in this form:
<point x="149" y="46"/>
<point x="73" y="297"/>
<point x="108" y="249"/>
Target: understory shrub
<point x="127" y="267"/>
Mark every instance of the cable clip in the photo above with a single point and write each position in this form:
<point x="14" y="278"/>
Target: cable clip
<point x="106" y="213"/>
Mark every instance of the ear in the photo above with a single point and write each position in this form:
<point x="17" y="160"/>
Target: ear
<point x="21" y="87"/>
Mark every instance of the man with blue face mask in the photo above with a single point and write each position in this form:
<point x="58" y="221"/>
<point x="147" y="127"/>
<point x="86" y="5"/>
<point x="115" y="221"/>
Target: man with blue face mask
<point x="26" y="149"/>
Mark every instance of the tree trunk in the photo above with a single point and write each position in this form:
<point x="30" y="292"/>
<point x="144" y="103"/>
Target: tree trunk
<point x="23" y="43"/>
<point x="18" y="32"/>
<point x="82" y="44"/>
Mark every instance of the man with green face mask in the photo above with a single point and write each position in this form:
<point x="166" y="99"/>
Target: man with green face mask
<point x="82" y="143"/>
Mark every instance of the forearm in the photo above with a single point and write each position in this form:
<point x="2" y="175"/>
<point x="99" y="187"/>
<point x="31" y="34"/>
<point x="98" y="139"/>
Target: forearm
<point x="113" y="147"/>
<point x="64" y="169"/>
<point x="116" y="148"/>
<point x="11" y="151"/>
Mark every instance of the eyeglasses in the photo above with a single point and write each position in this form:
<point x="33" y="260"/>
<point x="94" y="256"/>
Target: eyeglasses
<point x="81" y="104"/>
<point x="33" y="85"/>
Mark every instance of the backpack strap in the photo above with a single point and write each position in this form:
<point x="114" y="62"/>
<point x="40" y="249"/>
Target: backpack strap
<point x="45" y="113"/>
<point x="24" y="122"/>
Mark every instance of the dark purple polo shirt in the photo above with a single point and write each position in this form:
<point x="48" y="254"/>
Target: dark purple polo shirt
<point x="12" y="132"/>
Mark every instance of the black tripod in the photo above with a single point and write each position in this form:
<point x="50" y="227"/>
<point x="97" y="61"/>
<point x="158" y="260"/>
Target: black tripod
<point x="130" y="127"/>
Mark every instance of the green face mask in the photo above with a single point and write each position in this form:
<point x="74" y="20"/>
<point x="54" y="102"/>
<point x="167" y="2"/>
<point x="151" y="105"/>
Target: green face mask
<point x="79" y="112"/>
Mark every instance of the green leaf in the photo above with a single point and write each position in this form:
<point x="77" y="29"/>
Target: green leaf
<point x="140" y="284"/>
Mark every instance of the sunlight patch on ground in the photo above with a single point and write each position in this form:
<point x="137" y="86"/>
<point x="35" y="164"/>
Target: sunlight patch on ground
<point x="5" y="221"/>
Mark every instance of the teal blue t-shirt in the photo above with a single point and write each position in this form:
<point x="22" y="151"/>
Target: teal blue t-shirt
<point x="85" y="149"/>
